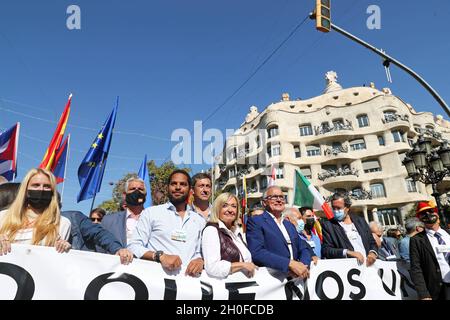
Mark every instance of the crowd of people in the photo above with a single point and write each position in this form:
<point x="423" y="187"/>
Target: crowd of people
<point x="215" y="237"/>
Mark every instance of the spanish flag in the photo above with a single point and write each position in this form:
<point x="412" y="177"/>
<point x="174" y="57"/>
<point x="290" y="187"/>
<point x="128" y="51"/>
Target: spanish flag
<point x="55" y="143"/>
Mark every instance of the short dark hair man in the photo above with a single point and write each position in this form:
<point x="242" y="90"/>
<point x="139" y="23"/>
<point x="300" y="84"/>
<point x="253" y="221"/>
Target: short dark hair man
<point x="171" y="233"/>
<point x="201" y="187"/>
<point x="347" y="235"/>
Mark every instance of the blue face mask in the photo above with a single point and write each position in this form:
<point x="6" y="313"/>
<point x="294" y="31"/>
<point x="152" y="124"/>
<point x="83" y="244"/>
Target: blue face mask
<point x="339" y="214"/>
<point x="300" y="226"/>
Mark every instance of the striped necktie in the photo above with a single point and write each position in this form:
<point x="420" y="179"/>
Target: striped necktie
<point x="442" y="242"/>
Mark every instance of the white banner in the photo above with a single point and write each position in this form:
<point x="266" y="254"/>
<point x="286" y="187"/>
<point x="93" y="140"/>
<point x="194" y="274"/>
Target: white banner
<point x="37" y="272"/>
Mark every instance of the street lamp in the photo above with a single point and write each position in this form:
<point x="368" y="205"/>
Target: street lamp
<point x="429" y="166"/>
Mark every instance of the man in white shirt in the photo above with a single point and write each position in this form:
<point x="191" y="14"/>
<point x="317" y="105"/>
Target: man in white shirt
<point x="171" y="233"/>
<point x="429" y="252"/>
<point x="122" y="224"/>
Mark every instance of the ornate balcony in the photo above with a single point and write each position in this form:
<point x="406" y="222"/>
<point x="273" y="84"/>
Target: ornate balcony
<point x="252" y="190"/>
<point x="335" y="151"/>
<point x="394" y="117"/>
<point x="336" y="173"/>
<point x="337" y="127"/>
<point x="361" y="194"/>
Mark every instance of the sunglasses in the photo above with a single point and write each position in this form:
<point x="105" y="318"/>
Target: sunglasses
<point x="96" y="219"/>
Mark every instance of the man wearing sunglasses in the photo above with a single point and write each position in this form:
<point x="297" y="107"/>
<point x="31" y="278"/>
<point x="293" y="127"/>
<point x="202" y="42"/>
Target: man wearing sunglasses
<point x="429" y="252"/>
<point x="274" y="241"/>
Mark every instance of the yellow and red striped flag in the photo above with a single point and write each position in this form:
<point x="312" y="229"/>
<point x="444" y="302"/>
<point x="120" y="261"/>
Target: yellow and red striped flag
<point x="55" y="143"/>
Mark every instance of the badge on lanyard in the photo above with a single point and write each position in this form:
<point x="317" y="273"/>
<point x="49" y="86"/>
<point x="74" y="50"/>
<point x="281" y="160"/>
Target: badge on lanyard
<point x="443" y="248"/>
<point x="179" y="235"/>
<point x="311" y="243"/>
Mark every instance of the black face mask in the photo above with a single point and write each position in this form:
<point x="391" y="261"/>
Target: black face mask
<point x="429" y="218"/>
<point x="135" y="198"/>
<point x="309" y="223"/>
<point x="39" y="199"/>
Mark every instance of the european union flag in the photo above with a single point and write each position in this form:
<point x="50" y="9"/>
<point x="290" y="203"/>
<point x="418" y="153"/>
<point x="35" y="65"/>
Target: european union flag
<point x="90" y="171"/>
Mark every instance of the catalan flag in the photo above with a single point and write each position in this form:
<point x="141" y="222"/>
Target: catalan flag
<point x="55" y="143"/>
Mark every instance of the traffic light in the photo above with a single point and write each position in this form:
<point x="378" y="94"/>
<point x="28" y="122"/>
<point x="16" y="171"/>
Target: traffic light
<point x="323" y="15"/>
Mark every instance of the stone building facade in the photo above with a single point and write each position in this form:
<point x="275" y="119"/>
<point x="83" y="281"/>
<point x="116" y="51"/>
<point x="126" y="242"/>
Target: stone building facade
<point x="350" y="139"/>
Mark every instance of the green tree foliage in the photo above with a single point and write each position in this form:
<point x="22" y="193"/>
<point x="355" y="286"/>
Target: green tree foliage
<point x="158" y="181"/>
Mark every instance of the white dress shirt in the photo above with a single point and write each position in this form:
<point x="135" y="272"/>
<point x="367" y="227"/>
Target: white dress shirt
<point x="162" y="228"/>
<point x="354" y="237"/>
<point x="131" y="223"/>
<point x="284" y="232"/>
<point x="443" y="264"/>
<point x="214" y="266"/>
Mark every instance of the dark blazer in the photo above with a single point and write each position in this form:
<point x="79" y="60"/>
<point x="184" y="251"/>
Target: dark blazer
<point x="268" y="246"/>
<point x="335" y="239"/>
<point x="85" y="235"/>
<point x="389" y="246"/>
<point x="116" y="223"/>
<point x="425" y="271"/>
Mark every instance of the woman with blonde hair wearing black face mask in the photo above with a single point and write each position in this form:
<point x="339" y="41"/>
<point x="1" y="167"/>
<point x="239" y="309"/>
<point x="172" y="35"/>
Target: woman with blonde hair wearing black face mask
<point x="34" y="216"/>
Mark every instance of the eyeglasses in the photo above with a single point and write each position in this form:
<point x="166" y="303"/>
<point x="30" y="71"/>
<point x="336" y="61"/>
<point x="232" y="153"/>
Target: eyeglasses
<point x="275" y="197"/>
<point x="96" y="219"/>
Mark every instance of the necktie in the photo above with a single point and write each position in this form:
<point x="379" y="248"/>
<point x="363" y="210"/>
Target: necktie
<point x="442" y="242"/>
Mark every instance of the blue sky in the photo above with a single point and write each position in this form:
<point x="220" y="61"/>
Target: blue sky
<point x="174" y="62"/>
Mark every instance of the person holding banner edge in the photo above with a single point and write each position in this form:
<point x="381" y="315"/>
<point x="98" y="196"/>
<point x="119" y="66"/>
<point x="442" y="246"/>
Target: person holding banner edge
<point x="347" y="235"/>
<point x="170" y="233"/>
<point x="34" y="216"/>
<point x="274" y="242"/>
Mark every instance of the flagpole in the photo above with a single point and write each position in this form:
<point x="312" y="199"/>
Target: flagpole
<point x="65" y="166"/>
<point x="212" y="174"/>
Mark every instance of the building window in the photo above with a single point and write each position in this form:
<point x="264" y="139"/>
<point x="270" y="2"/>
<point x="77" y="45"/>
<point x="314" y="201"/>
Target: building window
<point x="363" y="120"/>
<point x="306" y="130"/>
<point x="398" y="136"/>
<point x="272" y="131"/>
<point x="371" y="166"/>
<point x="258" y="142"/>
<point x="357" y="192"/>
<point x="357" y="144"/>
<point x="232" y="173"/>
<point x="338" y="124"/>
<point x="377" y="190"/>
<point x="306" y="172"/>
<point x="389" y="115"/>
<point x="263" y="183"/>
<point x="389" y="216"/>
<point x="313" y="150"/>
<point x="417" y="128"/>
<point x="329" y="168"/>
<point x="233" y="154"/>
<point x="279" y="173"/>
<point x="273" y="150"/>
<point x="297" y="152"/>
<point x="381" y="141"/>
<point x="411" y="185"/>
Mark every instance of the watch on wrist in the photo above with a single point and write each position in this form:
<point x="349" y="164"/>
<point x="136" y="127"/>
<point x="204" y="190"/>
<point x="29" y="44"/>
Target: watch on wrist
<point x="158" y="255"/>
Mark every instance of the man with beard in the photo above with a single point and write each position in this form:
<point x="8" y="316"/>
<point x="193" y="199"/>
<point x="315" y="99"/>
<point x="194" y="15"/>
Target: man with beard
<point x="201" y="187"/>
<point x="122" y="224"/>
<point x="171" y="233"/>
<point x="429" y="252"/>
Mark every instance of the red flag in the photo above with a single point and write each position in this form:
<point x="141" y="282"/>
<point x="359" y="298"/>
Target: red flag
<point x="55" y="143"/>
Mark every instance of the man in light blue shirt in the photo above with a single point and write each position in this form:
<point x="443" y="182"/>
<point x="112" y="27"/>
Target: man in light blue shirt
<point x="171" y="233"/>
<point x="413" y="226"/>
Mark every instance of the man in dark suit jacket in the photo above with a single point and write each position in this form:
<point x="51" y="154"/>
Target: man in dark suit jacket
<point x="85" y="235"/>
<point x="273" y="242"/>
<point x="121" y="224"/>
<point x="347" y="235"/>
<point x="429" y="267"/>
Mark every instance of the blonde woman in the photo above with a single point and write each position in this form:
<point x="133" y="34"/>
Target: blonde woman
<point x="224" y="250"/>
<point x="34" y="216"/>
